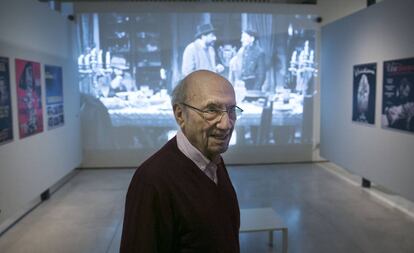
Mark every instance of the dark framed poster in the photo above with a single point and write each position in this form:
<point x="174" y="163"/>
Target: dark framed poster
<point x="54" y="96"/>
<point x="29" y="97"/>
<point x="6" y="120"/>
<point x="365" y="80"/>
<point x="398" y="95"/>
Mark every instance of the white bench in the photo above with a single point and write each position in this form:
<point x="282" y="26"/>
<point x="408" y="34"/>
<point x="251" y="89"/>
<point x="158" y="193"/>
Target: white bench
<point x="263" y="219"/>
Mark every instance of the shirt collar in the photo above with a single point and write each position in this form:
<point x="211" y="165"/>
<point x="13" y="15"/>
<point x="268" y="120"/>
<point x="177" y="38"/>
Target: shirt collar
<point x="193" y="153"/>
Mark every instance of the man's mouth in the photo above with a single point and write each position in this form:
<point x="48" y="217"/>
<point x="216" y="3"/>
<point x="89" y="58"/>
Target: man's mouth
<point x="220" y="136"/>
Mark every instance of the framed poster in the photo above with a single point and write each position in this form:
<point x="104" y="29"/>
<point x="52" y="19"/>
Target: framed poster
<point x="398" y="95"/>
<point x="6" y="121"/>
<point x="364" y="93"/>
<point x="54" y="96"/>
<point x="29" y="97"/>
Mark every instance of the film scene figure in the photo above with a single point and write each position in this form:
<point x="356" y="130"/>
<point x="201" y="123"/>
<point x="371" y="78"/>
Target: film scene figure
<point x="200" y="53"/>
<point x="248" y="65"/>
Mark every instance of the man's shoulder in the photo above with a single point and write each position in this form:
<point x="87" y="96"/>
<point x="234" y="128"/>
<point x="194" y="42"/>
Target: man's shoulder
<point x="163" y="155"/>
<point x="255" y="50"/>
<point x="161" y="164"/>
<point x="190" y="46"/>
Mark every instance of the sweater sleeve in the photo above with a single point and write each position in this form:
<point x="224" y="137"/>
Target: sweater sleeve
<point x="148" y="221"/>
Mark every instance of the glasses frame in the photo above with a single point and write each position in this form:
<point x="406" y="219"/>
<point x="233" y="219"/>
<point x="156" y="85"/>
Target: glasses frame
<point x="238" y="112"/>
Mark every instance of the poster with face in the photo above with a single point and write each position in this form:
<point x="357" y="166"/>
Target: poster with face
<point x="364" y="93"/>
<point x="54" y="96"/>
<point x="398" y="95"/>
<point x="6" y="122"/>
<point x="29" y="97"/>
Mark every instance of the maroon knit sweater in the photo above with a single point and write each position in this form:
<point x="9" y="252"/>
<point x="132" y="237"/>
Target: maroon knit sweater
<point x="172" y="206"/>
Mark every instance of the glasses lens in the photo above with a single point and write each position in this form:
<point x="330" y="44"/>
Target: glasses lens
<point x="212" y="114"/>
<point x="238" y="112"/>
<point x="232" y="113"/>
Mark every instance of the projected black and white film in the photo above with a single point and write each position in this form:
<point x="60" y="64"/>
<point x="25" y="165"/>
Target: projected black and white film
<point x="130" y="62"/>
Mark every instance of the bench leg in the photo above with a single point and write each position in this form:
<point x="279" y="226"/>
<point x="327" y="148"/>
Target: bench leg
<point x="285" y="240"/>
<point x="271" y="238"/>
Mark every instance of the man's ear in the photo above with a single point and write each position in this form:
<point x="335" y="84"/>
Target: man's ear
<point x="179" y="115"/>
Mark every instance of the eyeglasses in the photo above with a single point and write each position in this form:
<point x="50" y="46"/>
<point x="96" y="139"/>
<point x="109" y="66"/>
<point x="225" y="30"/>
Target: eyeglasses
<point x="213" y="114"/>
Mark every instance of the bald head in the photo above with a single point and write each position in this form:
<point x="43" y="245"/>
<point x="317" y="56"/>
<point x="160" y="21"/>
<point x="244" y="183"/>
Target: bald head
<point x="197" y="84"/>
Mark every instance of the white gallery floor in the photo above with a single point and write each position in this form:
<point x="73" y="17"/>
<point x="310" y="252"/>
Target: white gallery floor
<point x="323" y="212"/>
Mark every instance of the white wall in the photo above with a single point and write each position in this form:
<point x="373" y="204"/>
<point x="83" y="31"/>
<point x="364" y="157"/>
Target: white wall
<point x="379" y="33"/>
<point x="29" y="166"/>
<point x="331" y="10"/>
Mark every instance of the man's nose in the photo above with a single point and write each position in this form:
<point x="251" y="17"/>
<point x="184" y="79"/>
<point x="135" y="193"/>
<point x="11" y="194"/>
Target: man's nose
<point x="225" y="122"/>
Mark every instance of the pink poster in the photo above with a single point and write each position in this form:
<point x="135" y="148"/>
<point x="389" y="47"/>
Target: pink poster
<point x="29" y="96"/>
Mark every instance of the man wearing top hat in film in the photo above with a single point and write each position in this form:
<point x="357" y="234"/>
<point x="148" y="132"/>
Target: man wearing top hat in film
<point x="200" y="53"/>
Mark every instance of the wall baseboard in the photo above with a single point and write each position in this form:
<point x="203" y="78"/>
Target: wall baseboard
<point x="380" y="193"/>
<point x="20" y="214"/>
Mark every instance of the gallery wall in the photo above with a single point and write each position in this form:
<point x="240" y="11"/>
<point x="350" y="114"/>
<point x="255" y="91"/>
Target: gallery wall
<point x="379" y="33"/>
<point x="331" y="10"/>
<point x="30" y="165"/>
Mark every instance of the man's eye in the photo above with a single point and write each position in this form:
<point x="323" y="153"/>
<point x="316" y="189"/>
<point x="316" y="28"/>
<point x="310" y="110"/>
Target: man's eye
<point x="212" y="111"/>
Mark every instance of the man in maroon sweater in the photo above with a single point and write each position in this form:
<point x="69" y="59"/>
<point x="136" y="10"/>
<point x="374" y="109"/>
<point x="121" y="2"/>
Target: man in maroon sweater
<point x="181" y="199"/>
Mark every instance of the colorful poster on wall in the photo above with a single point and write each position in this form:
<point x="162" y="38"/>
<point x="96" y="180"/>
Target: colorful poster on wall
<point x="398" y="95"/>
<point x="364" y="93"/>
<point x="54" y="96"/>
<point x="29" y="97"/>
<point x="6" y="121"/>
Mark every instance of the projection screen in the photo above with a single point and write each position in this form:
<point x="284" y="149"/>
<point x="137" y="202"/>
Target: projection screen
<point x="129" y="62"/>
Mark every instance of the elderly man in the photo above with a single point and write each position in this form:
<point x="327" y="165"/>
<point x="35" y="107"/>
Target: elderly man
<point x="200" y="53"/>
<point x="181" y="199"/>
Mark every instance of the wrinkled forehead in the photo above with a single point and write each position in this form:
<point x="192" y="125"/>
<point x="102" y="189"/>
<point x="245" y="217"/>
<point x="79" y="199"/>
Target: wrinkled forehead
<point x="213" y="90"/>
